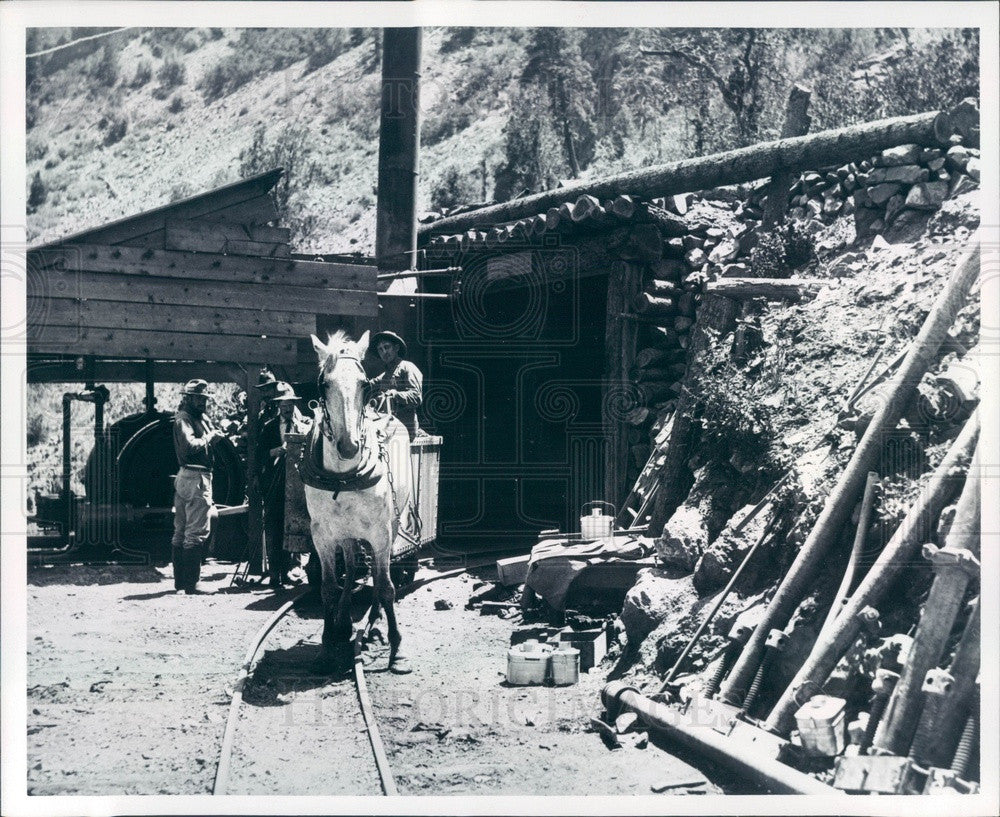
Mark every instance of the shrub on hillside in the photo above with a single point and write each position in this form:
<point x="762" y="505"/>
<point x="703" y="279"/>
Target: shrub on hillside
<point x="446" y="122"/>
<point x="456" y="38"/>
<point x="176" y="104"/>
<point x="36" y="193"/>
<point x="36" y="150"/>
<point x="37" y="432"/>
<point x="143" y="74"/>
<point x="324" y="46"/>
<point x="106" y="70"/>
<point x="256" y="52"/>
<point x="226" y="76"/>
<point x="455" y="188"/>
<point x="170" y="74"/>
<point x="730" y="416"/>
<point x="117" y="127"/>
<point x="780" y="251"/>
<point x="288" y="149"/>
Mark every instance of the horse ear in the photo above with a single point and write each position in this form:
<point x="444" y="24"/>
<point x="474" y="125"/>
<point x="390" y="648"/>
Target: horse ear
<point x="321" y="351"/>
<point x="363" y="343"/>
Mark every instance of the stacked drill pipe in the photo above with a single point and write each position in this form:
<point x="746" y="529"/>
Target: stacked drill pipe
<point x="898" y="552"/>
<point x="955" y="565"/>
<point x="835" y="514"/>
<point x="962" y="702"/>
<point x="864" y="519"/>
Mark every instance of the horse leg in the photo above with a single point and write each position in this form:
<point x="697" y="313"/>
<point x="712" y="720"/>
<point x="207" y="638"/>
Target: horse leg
<point x="338" y="626"/>
<point x="329" y="594"/>
<point x="371" y="631"/>
<point x="385" y="593"/>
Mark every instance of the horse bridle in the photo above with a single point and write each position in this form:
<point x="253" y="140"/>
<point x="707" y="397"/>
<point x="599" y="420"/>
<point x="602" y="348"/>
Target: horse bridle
<point x="326" y="427"/>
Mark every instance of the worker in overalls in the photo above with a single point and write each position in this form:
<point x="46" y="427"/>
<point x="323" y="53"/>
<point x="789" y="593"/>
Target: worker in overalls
<point x="400" y="385"/>
<point x="193" y="438"/>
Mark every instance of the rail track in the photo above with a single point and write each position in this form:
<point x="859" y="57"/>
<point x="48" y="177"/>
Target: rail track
<point x="274" y="688"/>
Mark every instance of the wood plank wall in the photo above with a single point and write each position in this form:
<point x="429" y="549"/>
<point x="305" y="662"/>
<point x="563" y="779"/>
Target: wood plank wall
<point x="223" y="291"/>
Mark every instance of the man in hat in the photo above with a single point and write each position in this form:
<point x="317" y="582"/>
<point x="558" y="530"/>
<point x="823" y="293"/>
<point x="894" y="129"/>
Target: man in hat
<point x="401" y="382"/>
<point x="290" y="421"/>
<point x="193" y="438"/>
<point x="287" y="419"/>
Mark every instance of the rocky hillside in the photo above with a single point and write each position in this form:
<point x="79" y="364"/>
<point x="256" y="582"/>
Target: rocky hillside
<point x="781" y="388"/>
<point x="147" y="116"/>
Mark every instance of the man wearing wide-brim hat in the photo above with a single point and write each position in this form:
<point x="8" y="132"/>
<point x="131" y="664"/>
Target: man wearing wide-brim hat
<point x="400" y="385"/>
<point x="288" y="419"/>
<point x="283" y="556"/>
<point x="193" y="438"/>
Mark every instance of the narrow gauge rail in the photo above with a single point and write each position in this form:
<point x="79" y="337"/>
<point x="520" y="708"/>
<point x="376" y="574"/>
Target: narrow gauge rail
<point x="224" y="783"/>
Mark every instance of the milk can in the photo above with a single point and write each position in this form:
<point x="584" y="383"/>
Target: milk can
<point x="594" y="524"/>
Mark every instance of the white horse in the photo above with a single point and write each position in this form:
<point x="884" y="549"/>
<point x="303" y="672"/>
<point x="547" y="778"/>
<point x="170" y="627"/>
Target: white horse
<point x="362" y="498"/>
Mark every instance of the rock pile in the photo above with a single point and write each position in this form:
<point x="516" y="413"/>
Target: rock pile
<point x="898" y="184"/>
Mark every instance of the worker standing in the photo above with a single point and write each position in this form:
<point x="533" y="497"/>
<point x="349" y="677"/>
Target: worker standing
<point x="193" y="437"/>
<point x="400" y="383"/>
<point x="272" y="478"/>
<point x="290" y="421"/>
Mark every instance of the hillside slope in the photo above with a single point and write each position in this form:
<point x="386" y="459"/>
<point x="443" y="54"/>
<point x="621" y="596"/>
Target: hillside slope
<point x="122" y="124"/>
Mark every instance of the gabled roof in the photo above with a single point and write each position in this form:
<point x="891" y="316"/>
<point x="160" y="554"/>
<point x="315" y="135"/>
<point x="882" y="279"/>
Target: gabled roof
<point x="248" y="196"/>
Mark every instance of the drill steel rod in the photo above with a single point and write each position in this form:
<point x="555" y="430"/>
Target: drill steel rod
<point x="899" y="551"/>
<point x="864" y="519"/>
<point x="964" y="668"/>
<point x="943" y="603"/>
<point x="923" y="351"/>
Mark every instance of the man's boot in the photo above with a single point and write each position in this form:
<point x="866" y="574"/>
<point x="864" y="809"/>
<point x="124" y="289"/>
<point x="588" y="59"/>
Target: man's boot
<point x="177" y="559"/>
<point x="189" y="576"/>
<point x="195" y="568"/>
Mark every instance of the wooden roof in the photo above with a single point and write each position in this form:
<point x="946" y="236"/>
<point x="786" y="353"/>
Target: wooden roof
<point x="246" y="201"/>
<point x="203" y="279"/>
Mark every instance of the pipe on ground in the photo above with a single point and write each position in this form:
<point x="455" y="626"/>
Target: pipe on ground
<point x="900" y="549"/>
<point x="748" y="762"/>
<point x="922" y="353"/>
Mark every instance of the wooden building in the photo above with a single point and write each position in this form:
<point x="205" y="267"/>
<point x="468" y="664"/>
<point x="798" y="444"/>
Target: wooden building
<point x="203" y="287"/>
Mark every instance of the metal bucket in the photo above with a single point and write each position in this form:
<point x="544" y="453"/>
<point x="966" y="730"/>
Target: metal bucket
<point x="565" y="666"/>
<point x="597" y="525"/>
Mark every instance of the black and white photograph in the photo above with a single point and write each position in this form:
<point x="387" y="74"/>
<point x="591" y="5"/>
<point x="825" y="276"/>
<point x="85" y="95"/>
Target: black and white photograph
<point x="504" y="407"/>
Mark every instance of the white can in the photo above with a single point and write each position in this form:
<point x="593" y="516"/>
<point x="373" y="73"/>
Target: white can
<point x="528" y="663"/>
<point x="565" y="666"/>
<point x="595" y="524"/>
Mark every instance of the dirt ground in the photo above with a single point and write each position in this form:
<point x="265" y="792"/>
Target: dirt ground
<point x="129" y="687"/>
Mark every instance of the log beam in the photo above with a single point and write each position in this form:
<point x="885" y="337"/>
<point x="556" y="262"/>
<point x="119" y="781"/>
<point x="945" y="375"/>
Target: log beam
<point x="774" y="289"/>
<point x="731" y="167"/>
